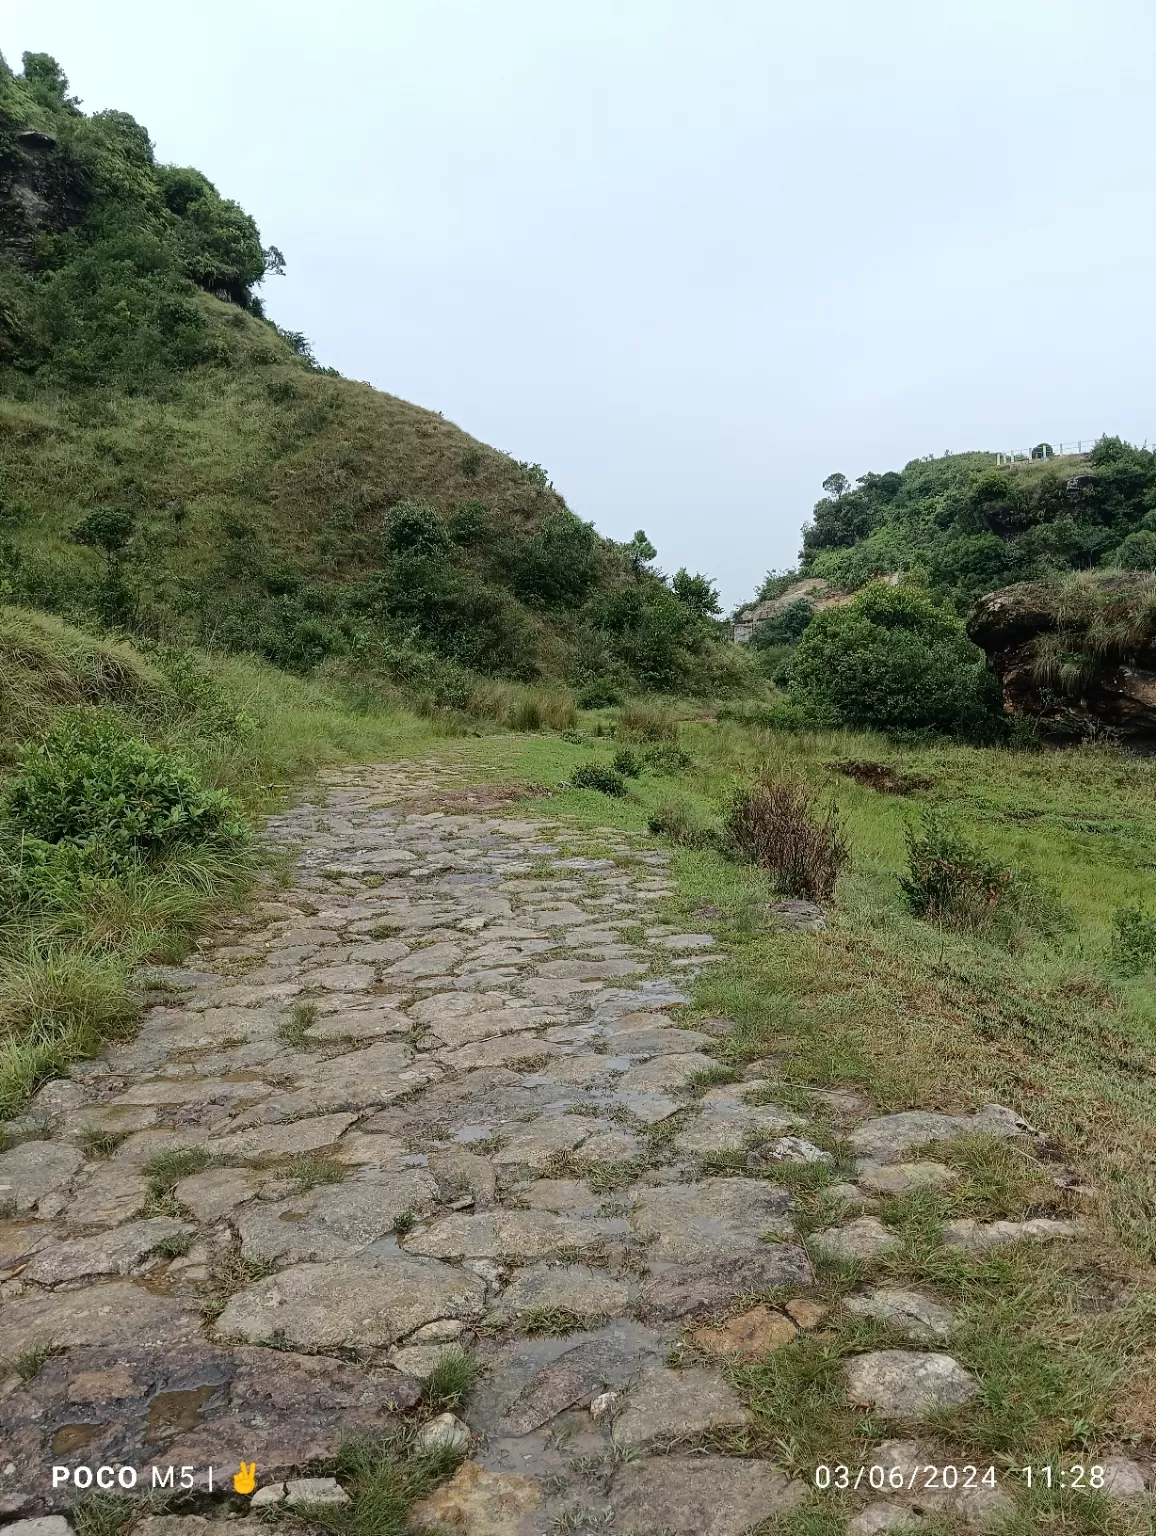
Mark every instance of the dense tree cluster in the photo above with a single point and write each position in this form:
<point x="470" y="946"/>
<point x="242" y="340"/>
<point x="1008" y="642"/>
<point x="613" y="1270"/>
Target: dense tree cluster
<point x="102" y="246"/>
<point x="966" y="525"/>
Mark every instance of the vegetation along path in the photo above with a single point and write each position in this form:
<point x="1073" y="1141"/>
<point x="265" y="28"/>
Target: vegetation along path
<point x="424" y="1177"/>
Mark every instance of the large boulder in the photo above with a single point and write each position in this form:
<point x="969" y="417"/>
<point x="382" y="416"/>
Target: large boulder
<point x="1077" y="654"/>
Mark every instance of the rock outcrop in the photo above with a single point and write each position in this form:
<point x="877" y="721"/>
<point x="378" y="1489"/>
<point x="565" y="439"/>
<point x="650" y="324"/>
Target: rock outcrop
<point x="812" y="589"/>
<point x="1078" y="655"/>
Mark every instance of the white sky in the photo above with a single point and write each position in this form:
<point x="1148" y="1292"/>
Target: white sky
<point x="691" y="255"/>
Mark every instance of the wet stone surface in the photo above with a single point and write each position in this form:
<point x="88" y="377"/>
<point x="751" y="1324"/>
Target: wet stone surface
<point x="419" y="1100"/>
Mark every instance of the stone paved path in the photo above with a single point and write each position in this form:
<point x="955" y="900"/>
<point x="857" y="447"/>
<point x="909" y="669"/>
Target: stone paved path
<point x="436" y="1094"/>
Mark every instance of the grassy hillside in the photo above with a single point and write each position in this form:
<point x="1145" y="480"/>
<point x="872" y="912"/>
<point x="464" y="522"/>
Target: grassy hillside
<point x="76" y="916"/>
<point x="171" y="463"/>
<point x="966" y="525"/>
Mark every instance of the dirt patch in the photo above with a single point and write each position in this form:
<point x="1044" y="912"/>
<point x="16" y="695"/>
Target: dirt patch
<point x="479" y="797"/>
<point x="881" y="776"/>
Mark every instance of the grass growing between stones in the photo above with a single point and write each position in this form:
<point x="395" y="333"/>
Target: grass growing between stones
<point x="553" y="1322"/>
<point x="103" y="1514"/>
<point x="167" y="1168"/>
<point x="100" y="1143"/>
<point x="384" y="1479"/>
<point x="451" y="1381"/>
<point x="313" y="1170"/>
<point x="231" y="1271"/>
<point x="301" y="1017"/>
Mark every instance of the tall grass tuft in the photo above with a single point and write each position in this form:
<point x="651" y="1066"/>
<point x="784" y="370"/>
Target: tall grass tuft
<point x="648" y="722"/>
<point x="519" y="708"/>
<point x="56" y="1003"/>
<point x="675" y="818"/>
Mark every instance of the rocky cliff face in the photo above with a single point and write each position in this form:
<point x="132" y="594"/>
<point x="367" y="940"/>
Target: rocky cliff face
<point x="1078" y="655"/>
<point x="813" y="589"/>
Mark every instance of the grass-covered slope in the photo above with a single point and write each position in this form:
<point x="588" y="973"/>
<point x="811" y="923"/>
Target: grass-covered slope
<point x="967" y="525"/>
<point x="113" y="761"/>
<point x="171" y="463"/>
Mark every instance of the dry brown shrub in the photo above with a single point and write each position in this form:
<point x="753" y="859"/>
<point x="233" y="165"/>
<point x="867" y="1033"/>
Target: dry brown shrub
<point x="779" y="825"/>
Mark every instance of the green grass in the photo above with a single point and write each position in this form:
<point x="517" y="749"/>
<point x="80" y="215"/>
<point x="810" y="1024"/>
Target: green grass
<point x="451" y="1381"/>
<point x="57" y="1003"/>
<point x="553" y="1322"/>
<point x="27" y="1364"/>
<point x="100" y="1143"/>
<point x="384" y="1479"/>
<point x="103" y="1514"/>
<point x="312" y="1170"/>
<point x="301" y="1018"/>
<point x="168" y="1168"/>
<point x="175" y="1247"/>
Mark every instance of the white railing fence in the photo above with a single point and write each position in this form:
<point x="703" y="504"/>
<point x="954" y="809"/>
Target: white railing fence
<point x="1052" y="450"/>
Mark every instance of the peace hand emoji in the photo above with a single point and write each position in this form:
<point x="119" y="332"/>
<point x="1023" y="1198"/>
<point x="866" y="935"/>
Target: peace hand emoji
<point x="245" y="1480"/>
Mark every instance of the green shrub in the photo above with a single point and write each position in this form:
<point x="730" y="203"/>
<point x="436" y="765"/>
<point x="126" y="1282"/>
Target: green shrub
<point x="665" y="758"/>
<point x="626" y="763"/>
<point x="894" y="661"/>
<point x="774" y="663"/>
<point x="1136" y="553"/>
<point x="600" y="694"/>
<point x="676" y="819"/>
<point x="955" y="883"/>
<point x="558" y="567"/>
<point x="786" y="628"/>
<point x="90" y="787"/>
<point x="599" y="776"/>
<point x="778" y="825"/>
<point x="1133" y="940"/>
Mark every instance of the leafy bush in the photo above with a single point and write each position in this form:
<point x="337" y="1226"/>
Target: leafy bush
<point x="778" y="825"/>
<point x="665" y="758"/>
<point x="786" y="627"/>
<point x="626" y="763"/>
<point x="953" y="882"/>
<point x="558" y="567"/>
<point x="1133" y="940"/>
<point x="113" y="797"/>
<point x="649" y="632"/>
<point x="600" y="694"/>
<point x="1137" y="552"/>
<point x="894" y="661"/>
<point x="697" y="592"/>
<point x="599" y="776"/>
<point x="676" y="819"/>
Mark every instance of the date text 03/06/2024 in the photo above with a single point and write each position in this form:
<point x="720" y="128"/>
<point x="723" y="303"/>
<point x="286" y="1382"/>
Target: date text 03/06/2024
<point x="928" y="1478"/>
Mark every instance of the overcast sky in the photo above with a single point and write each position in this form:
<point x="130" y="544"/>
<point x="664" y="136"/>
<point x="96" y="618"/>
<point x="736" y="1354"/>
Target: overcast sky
<point x="690" y="255"/>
